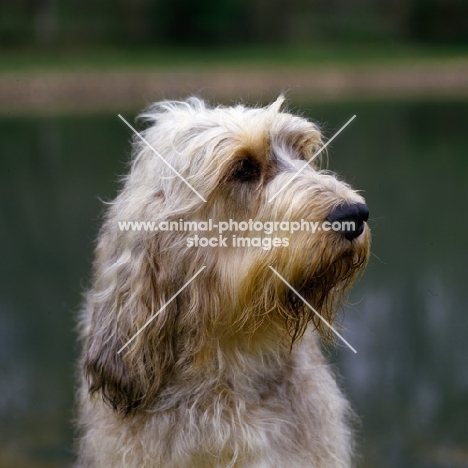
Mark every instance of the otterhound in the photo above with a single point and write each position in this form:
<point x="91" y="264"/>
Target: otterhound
<point x="203" y="349"/>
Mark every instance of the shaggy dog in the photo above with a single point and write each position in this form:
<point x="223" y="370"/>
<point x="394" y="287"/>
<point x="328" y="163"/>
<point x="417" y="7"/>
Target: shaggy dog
<point x="205" y="354"/>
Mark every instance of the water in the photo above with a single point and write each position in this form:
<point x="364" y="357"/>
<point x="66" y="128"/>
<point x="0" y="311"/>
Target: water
<point x="408" y="319"/>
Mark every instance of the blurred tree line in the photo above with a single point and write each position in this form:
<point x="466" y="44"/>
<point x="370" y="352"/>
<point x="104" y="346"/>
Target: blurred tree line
<point x="223" y="22"/>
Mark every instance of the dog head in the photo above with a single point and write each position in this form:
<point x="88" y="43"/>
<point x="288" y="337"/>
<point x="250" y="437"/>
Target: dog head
<point x="193" y="166"/>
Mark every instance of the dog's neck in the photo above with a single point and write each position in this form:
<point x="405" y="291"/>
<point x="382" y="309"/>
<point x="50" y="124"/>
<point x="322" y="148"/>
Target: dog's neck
<point x="232" y="367"/>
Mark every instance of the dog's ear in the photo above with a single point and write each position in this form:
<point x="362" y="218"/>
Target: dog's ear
<point x="124" y="361"/>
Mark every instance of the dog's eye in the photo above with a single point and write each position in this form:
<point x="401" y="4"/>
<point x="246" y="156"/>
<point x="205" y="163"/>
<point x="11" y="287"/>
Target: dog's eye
<point x="246" y="170"/>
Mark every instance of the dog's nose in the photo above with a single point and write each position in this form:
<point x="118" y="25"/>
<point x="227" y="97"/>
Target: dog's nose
<point x="348" y="219"/>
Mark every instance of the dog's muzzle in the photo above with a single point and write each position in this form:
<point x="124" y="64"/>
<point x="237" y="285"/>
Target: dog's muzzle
<point x="352" y="217"/>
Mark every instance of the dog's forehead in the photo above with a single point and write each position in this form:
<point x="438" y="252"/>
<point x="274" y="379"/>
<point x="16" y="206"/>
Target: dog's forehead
<point x="191" y="130"/>
<point x="293" y="129"/>
<point x="265" y="127"/>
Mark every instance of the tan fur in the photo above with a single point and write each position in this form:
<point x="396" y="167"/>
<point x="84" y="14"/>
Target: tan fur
<point x="230" y="374"/>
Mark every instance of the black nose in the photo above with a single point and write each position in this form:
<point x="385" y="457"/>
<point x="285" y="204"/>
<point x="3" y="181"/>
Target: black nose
<point x="348" y="219"/>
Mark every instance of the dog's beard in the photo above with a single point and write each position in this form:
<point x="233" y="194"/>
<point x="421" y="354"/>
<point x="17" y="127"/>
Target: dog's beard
<point x="325" y="290"/>
<point x="265" y="308"/>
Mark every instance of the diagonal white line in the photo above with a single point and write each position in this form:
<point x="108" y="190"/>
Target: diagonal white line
<point x="313" y="310"/>
<point x="160" y="157"/>
<point x="312" y="158"/>
<point x="160" y="310"/>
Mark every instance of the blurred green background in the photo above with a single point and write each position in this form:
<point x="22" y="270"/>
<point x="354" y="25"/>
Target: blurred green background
<point x="68" y="68"/>
<point x="206" y="22"/>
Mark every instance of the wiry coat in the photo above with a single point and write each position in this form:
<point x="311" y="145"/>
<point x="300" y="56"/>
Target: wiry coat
<point x="230" y="373"/>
